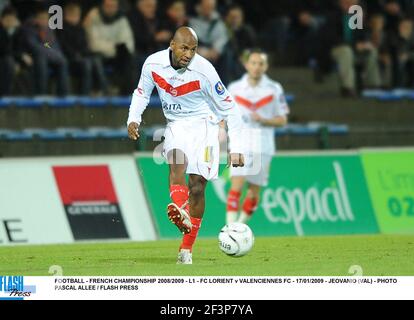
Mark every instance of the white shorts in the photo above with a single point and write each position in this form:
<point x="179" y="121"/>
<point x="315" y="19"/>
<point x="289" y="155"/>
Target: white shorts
<point x="199" y="140"/>
<point x="256" y="169"/>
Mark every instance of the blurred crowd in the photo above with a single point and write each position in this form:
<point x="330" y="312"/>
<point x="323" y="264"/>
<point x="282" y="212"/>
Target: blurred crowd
<point x="319" y="33"/>
<point x="103" y="43"/>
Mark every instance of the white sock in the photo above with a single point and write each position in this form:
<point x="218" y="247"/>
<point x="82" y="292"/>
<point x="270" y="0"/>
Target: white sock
<point x="231" y="216"/>
<point x="244" y="217"/>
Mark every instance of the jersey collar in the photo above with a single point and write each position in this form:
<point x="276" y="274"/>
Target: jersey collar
<point x="165" y="61"/>
<point x="262" y="82"/>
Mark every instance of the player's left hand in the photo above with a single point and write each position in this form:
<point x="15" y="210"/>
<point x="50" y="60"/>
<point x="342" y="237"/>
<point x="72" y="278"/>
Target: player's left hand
<point x="235" y="160"/>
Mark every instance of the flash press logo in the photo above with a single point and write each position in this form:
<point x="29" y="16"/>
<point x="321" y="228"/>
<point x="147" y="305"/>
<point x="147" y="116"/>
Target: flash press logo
<point x="13" y="288"/>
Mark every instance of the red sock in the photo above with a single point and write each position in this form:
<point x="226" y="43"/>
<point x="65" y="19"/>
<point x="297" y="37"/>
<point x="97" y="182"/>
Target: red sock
<point x="189" y="239"/>
<point x="250" y="205"/>
<point x="233" y="200"/>
<point x="179" y="195"/>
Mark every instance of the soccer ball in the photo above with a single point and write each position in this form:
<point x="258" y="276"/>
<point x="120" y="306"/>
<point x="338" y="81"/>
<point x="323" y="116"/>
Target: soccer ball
<point x="236" y="239"/>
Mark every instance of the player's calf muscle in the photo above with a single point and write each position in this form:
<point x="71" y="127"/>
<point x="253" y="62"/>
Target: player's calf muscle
<point x="197" y="187"/>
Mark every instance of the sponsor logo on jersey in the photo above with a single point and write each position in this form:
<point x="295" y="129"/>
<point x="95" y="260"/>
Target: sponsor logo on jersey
<point x="174" y="78"/>
<point x="172" y="106"/>
<point x="220" y="88"/>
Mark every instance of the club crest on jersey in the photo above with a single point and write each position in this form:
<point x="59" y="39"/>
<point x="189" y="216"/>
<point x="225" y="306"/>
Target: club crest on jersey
<point x="220" y="88"/>
<point x="173" y="92"/>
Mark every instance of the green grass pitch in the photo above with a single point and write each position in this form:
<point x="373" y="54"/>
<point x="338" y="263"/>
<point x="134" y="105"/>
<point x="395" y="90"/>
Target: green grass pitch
<point x="378" y="255"/>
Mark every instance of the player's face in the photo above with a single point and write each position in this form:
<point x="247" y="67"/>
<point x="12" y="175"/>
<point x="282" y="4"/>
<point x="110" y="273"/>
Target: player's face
<point x="183" y="53"/>
<point x="256" y="65"/>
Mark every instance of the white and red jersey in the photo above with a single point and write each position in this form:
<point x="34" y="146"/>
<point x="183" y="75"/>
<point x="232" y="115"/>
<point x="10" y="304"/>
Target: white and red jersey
<point x="191" y="93"/>
<point x="266" y="99"/>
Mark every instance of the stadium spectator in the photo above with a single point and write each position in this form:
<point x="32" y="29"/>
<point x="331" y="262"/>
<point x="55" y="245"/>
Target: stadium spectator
<point x="26" y="8"/>
<point x="212" y="34"/>
<point x="4" y="4"/>
<point x="393" y="13"/>
<point x="401" y="46"/>
<point x="350" y="49"/>
<point x="43" y="45"/>
<point x="12" y="55"/>
<point x="379" y="39"/>
<point x="146" y="28"/>
<point x="241" y="37"/>
<point x="294" y="29"/>
<point x="72" y="39"/>
<point x="306" y="22"/>
<point x="176" y="16"/>
<point x="110" y="36"/>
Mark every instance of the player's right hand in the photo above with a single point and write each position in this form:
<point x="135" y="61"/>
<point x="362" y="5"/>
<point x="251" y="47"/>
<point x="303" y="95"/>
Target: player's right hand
<point x="133" y="131"/>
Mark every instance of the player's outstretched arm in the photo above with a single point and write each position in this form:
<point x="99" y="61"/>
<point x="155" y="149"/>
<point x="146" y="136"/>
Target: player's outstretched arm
<point x="139" y="102"/>
<point x="133" y="133"/>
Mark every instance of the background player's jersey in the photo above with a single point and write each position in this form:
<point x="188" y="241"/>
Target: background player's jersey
<point x="266" y="99"/>
<point x="191" y="93"/>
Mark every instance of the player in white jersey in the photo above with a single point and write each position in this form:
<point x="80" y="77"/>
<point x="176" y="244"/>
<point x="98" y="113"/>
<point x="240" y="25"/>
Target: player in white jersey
<point x="194" y="100"/>
<point x="263" y="106"/>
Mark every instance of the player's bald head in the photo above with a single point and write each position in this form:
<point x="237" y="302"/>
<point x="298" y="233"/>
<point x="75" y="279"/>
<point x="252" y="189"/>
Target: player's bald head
<point x="183" y="46"/>
<point x="185" y="35"/>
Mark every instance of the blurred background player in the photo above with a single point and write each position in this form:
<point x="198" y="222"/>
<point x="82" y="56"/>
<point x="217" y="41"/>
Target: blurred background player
<point x="190" y="89"/>
<point x="263" y="106"/>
